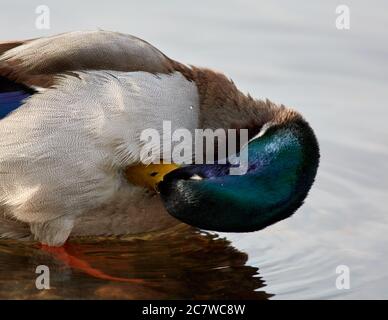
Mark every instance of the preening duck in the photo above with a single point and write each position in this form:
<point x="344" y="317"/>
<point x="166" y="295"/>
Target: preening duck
<point x="72" y="110"/>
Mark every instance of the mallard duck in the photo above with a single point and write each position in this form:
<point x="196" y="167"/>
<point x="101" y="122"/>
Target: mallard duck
<point x="72" y="108"/>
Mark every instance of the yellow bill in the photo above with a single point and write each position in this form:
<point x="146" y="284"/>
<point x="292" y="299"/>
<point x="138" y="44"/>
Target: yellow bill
<point x="148" y="175"/>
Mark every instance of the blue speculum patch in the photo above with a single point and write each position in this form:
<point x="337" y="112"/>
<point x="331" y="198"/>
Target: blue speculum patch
<point x="10" y="101"/>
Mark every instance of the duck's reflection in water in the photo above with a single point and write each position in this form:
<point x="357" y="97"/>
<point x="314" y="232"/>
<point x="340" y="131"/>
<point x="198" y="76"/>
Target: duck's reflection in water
<point x="181" y="263"/>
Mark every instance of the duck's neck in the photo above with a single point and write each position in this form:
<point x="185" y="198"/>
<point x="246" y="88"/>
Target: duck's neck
<point x="222" y="105"/>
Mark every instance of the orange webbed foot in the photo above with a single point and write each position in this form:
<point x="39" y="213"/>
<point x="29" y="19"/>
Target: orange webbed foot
<point x="62" y="254"/>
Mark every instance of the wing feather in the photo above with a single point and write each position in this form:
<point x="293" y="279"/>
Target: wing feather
<point x="37" y="62"/>
<point x="12" y="96"/>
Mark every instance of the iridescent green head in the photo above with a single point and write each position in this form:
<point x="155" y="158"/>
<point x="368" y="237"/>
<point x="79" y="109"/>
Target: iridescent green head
<point x="282" y="164"/>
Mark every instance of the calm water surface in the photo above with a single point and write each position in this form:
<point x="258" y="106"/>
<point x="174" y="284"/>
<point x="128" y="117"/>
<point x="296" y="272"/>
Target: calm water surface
<point x="291" y="54"/>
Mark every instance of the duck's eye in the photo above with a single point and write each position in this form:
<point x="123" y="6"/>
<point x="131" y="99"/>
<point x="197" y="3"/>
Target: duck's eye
<point x="153" y="174"/>
<point x="196" y="177"/>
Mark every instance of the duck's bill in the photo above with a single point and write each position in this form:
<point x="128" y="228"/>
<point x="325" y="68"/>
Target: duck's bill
<point x="148" y="176"/>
